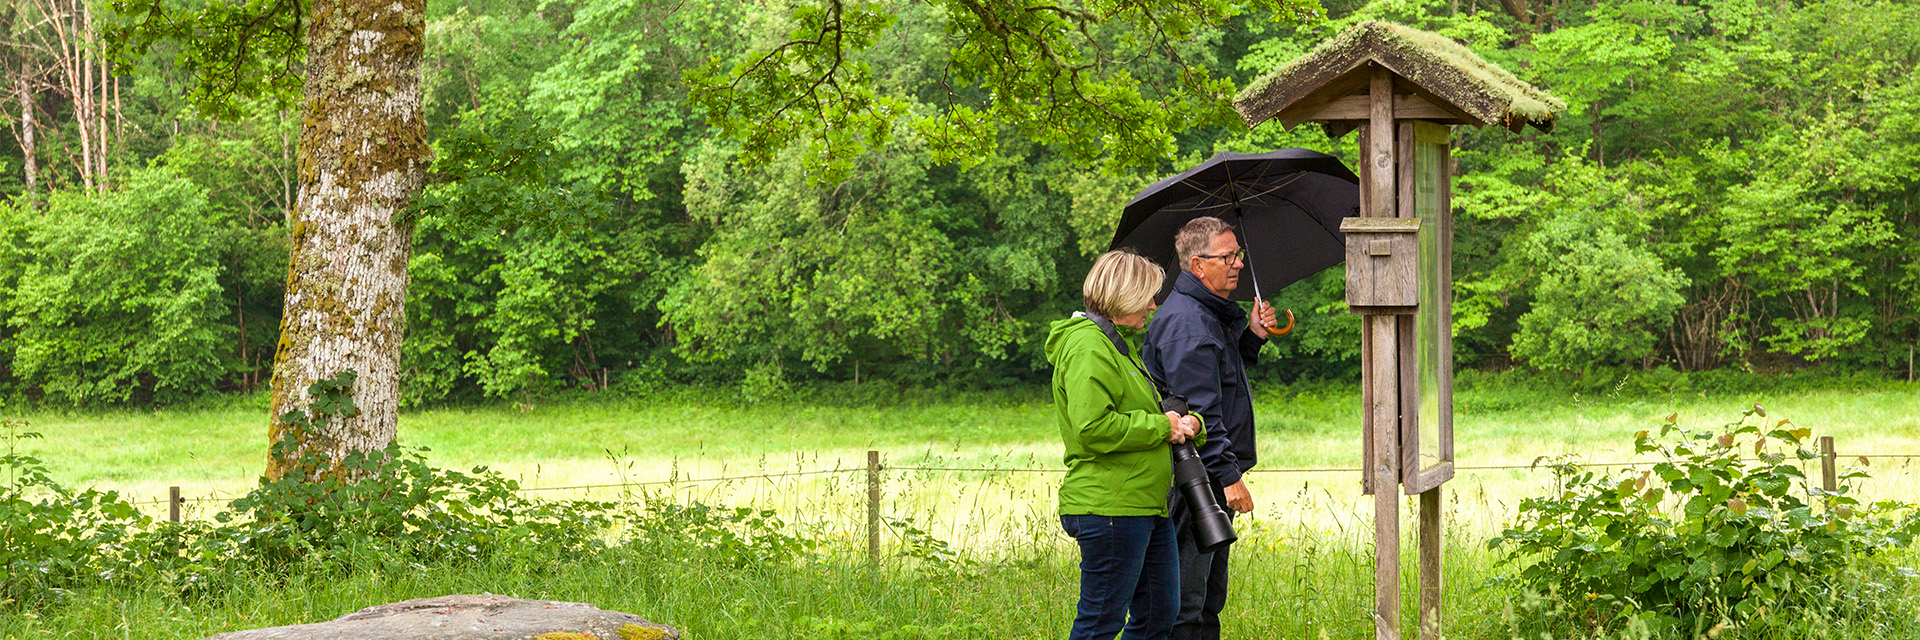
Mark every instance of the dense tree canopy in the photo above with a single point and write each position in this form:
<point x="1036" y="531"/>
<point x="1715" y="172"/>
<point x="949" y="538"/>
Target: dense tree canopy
<point x="627" y="201"/>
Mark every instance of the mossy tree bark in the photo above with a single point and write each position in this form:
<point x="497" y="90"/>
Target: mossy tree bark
<point x="363" y="159"/>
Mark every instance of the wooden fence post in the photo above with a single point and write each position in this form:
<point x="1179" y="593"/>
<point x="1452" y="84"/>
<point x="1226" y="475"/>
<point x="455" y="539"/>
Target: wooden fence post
<point x="1829" y="477"/>
<point x="173" y="504"/>
<point x="873" y="507"/>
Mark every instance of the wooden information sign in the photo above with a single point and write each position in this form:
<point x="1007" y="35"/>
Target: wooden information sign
<point x="1400" y="88"/>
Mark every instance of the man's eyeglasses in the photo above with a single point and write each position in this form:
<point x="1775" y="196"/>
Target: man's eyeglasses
<point x="1230" y="258"/>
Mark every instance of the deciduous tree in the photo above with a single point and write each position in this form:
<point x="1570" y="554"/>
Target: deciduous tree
<point x="363" y="158"/>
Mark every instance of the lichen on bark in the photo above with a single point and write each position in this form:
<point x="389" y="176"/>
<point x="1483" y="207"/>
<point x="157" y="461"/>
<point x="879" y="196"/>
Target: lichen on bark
<point x="363" y="160"/>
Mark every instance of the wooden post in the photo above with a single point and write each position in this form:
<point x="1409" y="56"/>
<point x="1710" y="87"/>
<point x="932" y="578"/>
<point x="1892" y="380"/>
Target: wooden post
<point x="1430" y="564"/>
<point x="1384" y="375"/>
<point x="173" y="504"/>
<point x="873" y="507"/>
<point x="1829" y="476"/>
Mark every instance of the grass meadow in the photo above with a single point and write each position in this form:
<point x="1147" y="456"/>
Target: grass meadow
<point x="1302" y="570"/>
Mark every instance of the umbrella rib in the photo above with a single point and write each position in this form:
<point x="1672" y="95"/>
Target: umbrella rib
<point x="1211" y="195"/>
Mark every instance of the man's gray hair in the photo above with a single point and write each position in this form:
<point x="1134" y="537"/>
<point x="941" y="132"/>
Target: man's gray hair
<point x="1196" y="237"/>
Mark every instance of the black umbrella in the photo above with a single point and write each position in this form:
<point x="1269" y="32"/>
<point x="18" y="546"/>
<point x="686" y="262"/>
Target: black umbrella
<point x="1287" y="205"/>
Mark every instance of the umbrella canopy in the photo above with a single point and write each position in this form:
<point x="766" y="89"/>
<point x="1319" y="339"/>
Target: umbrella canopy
<point x="1287" y="205"/>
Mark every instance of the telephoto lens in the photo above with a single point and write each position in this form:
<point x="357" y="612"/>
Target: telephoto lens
<point x="1212" y="530"/>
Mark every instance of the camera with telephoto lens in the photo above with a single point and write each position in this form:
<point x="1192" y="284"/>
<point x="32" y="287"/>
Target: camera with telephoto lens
<point x="1212" y="530"/>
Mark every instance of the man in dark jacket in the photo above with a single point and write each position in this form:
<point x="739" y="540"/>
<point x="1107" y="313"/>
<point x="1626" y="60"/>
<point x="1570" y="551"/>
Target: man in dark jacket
<point x="1199" y="345"/>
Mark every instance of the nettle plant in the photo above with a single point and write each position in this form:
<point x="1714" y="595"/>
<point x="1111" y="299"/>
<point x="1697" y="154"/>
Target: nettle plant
<point x="390" y="503"/>
<point x="51" y="537"/>
<point x="1726" y="532"/>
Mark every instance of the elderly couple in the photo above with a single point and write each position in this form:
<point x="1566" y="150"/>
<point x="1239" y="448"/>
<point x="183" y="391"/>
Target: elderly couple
<point x="1139" y="568"/>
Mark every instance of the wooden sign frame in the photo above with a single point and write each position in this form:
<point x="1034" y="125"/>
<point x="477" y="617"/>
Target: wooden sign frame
<point x="1437" y="227"/>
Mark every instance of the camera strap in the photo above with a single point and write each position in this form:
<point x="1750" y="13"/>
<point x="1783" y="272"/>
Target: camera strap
<point x="1106" y="327"/>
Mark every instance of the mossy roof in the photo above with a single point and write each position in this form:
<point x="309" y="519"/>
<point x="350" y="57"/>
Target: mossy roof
<point x="1435" y="63"/>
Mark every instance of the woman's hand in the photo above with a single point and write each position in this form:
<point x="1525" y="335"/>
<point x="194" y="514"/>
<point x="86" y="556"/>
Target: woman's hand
<point x="1180" y="427"/>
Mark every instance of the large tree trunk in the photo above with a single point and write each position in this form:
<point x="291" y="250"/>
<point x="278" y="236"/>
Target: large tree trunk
<point x="363" y="157"/>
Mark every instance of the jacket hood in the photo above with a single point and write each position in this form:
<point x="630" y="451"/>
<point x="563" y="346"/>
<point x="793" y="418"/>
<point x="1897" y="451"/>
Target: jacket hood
<point x="1060" y="332"/>
<point x="1078" y="328"/>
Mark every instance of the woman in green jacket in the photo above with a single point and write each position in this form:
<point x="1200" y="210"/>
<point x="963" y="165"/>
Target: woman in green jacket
<point x="1114" y="498"/>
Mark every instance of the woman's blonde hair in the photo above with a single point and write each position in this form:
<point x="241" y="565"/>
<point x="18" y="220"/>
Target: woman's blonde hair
<point x="1121" y="283"/>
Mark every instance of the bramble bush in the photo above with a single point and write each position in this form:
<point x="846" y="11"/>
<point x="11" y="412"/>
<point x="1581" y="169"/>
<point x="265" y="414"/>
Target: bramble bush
<point x="737" y="537"/>
<point x="393" y="509"/>
<point x="391" y="502"/>
<point x="1707" y="539"/>
<point x="51" y="537"/>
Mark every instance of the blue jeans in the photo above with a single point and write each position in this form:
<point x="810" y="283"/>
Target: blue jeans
<point x="1129" y="575"/>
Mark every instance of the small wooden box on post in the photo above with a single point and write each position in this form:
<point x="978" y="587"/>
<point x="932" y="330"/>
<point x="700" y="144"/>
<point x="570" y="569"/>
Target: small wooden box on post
<point x="1401" y="88"/>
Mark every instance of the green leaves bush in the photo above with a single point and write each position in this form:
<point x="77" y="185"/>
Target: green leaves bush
<point x="116" y="295"/>
<point x="385" y="509"/>
<point x="738" y="537"/>
<point x="52" y="537"/>
<point x="1707" y="538"/>
<point x="409" y="510"/>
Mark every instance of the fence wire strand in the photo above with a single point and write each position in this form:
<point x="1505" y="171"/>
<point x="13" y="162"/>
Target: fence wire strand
<point x="887" y="468"/>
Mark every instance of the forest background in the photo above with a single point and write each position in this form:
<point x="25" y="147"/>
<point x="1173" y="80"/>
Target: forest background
<point x="1733" y="187"/>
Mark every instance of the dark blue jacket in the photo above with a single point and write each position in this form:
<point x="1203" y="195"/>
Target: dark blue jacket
<point x="1199" y="346"/>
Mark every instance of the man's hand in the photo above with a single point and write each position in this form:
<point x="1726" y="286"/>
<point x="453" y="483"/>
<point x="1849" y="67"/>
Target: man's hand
<point x="1180" y="427"/>
<point x="1238" y="498"/>
<point x="1261" y="318"/>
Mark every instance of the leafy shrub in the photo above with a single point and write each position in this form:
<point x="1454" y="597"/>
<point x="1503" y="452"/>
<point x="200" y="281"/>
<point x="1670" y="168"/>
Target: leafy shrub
<point x="932" y="552"/>
<point x="390" y="501"/>
<point x="765" y="382"/>
<point x="1707" y="538"/>
<point x="389" y="506"/>
<point x="408" y="509"/>
<point x="739" y="537"/>
<point x="118" y="293"/>
<point x="52" y="538"/>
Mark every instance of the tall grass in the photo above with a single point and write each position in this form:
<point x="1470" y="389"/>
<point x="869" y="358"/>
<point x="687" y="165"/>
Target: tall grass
<point x="1288" y="584"/>
<point x="1302" y="570"/>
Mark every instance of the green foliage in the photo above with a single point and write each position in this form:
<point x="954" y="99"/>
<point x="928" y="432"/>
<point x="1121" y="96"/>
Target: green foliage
<point x="388" y="501"/>
<point x="1709" y="538"/>
<point x="1117" y="80"/>
<point x="116" y="296"/>
<point x="505" y="173"/>
<point x="307" y="428"/>
<point x="659" y="192"/>
<point x="406" y="509"/>
<point x="1583" y="246"/>
<point x="52" y="538"/>
<point x="932" y="553"/>
<point x="236" y="50"/>
<point x="870" y="267"/>
<point x="737" y="537"/>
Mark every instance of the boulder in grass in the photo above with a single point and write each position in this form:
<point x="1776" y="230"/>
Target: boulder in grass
<point x="471" y="617"/>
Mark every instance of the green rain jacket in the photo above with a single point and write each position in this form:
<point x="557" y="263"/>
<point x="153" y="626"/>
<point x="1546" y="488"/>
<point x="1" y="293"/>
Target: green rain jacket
<point x="1110" y="420"/>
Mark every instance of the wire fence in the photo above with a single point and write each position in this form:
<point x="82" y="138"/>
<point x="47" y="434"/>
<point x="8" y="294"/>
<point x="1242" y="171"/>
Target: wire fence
<point x="1827" y="459"/>
<point x="994" y="509"/>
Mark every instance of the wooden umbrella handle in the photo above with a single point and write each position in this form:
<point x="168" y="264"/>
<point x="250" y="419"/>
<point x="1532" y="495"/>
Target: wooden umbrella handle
<point x="1273" y="332"/>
